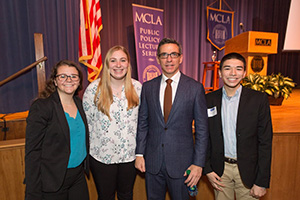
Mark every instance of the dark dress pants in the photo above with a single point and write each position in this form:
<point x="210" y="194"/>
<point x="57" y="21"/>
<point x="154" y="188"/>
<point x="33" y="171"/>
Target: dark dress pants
<point x="74" y="187"/>
<point x="112" y="178"/>
<point x="157" y="185"/>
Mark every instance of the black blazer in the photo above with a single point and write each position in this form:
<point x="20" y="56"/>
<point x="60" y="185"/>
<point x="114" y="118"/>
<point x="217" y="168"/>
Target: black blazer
<point x="254" y="137"/>
<point x="47" y="147"/>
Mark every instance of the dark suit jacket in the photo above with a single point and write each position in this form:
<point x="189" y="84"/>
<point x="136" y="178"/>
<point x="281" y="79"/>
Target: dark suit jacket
<point x="47" y="147"/>
<point x="253" y="133"/>
<point x="174" y="139"/>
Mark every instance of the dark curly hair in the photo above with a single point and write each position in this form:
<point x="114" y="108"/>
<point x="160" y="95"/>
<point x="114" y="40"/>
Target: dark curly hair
<point x="50" y="86"/>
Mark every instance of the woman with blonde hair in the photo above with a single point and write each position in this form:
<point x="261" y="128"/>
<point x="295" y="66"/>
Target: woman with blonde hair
<point x="111" y="105"/>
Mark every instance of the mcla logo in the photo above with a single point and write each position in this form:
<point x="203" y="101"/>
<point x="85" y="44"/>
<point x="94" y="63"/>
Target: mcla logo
<point x="148" y="18"/>
<point x="263" y="42"/>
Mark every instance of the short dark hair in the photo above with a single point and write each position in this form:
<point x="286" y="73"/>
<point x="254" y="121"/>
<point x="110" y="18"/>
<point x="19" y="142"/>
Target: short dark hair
<point x="168" y="41"/>
<point x="233" y="56"/>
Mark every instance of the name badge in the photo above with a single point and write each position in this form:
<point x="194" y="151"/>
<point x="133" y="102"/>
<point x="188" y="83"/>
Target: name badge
<point x="212" y="111"/>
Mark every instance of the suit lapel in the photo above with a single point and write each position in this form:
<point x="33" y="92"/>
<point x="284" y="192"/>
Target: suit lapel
<point x="179" y="95"/>
<point x="219" y="94"/>
<point x="155" y="90"/>
<point x="63" y="123"/>
<point x="242" y="105"/>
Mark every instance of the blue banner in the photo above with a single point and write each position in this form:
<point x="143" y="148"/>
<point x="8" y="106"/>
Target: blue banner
<point x="219" y="26"/>
<point x="148" y="31"/>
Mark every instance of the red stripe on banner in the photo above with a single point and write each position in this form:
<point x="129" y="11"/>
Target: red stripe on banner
<point x="89" y="37"/>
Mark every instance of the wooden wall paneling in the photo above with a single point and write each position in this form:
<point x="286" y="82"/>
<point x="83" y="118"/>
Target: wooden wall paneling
<point x="16" y="129"/>
<point x="205" y="190"/>
<point x="297" y="169"/>
<point x="284" y="172"/>
<point x="12" y="169"/>
<point x="91" y="187"/>
<point x="139" y="187"/>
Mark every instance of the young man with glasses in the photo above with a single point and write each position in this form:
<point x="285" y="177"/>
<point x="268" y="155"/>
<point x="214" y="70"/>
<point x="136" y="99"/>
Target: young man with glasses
<point x="165" y="145"/>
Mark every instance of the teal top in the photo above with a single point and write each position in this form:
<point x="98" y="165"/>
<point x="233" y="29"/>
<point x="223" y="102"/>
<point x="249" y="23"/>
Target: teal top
<point x="77" y="140"/>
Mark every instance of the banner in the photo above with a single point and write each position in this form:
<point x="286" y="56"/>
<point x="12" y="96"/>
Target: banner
<point x="148" y="31"/>
<point x="89" y="37"/>
<point x="219" y="26"/>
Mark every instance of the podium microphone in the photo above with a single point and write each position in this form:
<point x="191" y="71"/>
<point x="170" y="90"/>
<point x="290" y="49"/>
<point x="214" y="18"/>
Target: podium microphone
<point x="242" y="27"/>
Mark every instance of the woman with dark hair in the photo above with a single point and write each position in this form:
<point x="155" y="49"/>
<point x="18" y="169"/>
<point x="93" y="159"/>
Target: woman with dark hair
<point x="57" y="142"/>
<point x="111" y="106"/>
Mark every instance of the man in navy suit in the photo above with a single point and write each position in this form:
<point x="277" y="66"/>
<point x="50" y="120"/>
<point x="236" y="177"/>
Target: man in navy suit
<point x="240" y="127"/>
<point x="165" y="145"/>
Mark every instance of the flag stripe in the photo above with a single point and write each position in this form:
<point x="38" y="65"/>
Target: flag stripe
<point x="89" y="37"/>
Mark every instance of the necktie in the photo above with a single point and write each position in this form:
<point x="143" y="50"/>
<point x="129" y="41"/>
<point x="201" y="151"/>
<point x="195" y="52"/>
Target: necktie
<point x="168" y="100"/>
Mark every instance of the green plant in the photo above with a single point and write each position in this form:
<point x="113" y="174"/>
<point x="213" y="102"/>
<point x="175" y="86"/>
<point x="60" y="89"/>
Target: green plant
<point x="275" y="85"/>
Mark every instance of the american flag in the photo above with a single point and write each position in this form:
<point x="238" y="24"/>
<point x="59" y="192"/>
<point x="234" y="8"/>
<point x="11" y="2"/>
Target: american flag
<point x="89" y="37"/>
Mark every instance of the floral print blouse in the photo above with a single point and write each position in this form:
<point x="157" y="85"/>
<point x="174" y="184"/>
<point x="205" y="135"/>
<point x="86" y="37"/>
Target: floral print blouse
<point x="111" y="141"/>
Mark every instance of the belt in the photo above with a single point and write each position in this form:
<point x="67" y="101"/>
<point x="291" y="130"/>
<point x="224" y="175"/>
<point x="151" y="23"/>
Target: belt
<point x="230" y="160"/>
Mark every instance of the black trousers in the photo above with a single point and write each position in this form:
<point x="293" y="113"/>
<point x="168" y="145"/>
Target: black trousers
<point x="112" y="178"/>
<point x="73" y="188"/>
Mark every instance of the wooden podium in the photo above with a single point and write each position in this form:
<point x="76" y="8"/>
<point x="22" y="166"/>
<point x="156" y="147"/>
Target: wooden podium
<point x="255" y="47"/>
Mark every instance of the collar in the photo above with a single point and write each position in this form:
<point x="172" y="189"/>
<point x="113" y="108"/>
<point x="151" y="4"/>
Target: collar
<point x="174" y="78"/>
<point x="237" y="93"/>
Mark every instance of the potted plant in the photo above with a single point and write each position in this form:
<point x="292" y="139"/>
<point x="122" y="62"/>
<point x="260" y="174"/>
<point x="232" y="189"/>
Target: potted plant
<point x="277" y="86"/>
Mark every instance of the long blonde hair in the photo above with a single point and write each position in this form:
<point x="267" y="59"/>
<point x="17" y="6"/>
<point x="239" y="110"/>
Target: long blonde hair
<point x="104" y="100"/>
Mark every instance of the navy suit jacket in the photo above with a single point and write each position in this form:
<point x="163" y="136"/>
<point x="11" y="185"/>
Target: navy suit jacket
<point x="254" y="137"/>
<point x="173" y="140"/>
<point x="47" y="147"/>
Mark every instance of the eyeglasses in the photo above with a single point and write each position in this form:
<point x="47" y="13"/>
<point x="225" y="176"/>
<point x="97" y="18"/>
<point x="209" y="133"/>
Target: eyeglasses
<point x="64" y="77"/>
<point x="166" y="55"/>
